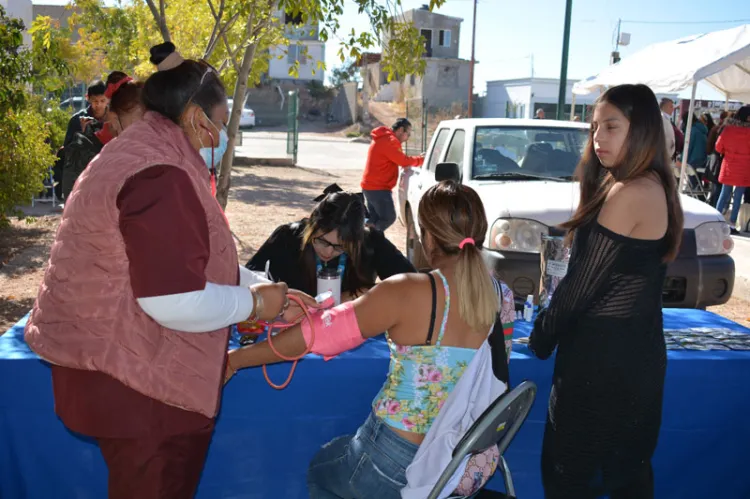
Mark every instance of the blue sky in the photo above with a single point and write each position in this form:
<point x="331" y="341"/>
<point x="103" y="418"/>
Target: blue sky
<point x="508" y="32"/>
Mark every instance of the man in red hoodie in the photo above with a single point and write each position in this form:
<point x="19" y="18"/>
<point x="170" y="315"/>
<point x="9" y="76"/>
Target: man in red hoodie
<point x="381" y="172"/>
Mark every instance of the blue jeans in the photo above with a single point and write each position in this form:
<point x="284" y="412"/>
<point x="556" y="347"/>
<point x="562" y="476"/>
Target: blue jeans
<point x="368" y="465"/>
<point x="382" y="213"/>
<point x="726" y="193"/>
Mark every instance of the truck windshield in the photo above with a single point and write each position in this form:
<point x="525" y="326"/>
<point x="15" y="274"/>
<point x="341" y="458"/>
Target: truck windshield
<point x="530" y="152"/>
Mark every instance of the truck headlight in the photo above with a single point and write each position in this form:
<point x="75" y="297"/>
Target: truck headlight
<point x="515" y="234"/>
<point x="713" y="238"/>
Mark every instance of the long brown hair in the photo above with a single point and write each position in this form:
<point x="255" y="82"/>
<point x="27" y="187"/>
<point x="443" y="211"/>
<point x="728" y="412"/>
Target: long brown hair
<point x="451" y="213"/>
<point x="645" y="153"/>
<point x="345" y="212"/>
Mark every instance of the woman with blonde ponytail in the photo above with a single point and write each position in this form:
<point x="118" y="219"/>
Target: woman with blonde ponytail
<point x="434" y="324"/>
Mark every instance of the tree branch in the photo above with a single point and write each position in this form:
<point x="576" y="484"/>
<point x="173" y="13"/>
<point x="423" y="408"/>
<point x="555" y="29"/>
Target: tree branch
<point x="160" y="18"/>
<point x="217" y="23"/>
<point x="221" y="35"/>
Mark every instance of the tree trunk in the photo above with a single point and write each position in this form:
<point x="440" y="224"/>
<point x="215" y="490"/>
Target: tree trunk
<point x="240" y="91"/>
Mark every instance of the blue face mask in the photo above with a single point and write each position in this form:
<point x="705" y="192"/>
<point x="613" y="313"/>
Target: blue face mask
<point x="215" y="153"/>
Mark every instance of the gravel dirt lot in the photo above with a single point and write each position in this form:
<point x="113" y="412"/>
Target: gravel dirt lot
<point x="261" y="199"/>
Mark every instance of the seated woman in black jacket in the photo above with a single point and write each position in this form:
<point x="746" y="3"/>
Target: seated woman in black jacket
<point x="334" y="235"/>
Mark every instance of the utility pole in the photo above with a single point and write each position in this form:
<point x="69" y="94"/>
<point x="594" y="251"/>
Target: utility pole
<point x="471" y="64"/>
<point x="564" y="65"/>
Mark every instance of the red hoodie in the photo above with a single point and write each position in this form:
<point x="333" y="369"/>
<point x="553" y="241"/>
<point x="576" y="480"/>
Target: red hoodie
<point x="383" y="159"/>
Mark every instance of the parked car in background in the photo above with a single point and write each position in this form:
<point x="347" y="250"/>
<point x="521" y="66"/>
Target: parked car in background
<point x="73" y="104"/>
<point x="523" y="171"/>
<point x="247" y="118"/>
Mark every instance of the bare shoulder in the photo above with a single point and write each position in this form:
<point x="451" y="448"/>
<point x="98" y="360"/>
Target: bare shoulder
<point x="636" y="204"/>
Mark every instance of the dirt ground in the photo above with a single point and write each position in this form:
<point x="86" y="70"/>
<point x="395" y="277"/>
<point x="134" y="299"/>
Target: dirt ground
<point x="261" y="199"/>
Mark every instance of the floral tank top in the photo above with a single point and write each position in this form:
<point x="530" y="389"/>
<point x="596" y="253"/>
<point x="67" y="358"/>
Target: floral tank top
<point x="420" y="378"/>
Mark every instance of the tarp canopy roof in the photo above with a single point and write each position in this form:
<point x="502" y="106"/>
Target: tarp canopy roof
<point x="721" y="58"/>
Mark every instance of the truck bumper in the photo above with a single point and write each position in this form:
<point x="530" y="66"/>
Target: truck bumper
<point x="691" y="282"/>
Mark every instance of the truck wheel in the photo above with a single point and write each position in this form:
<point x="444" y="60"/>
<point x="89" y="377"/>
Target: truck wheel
<point x="414" y="252"/>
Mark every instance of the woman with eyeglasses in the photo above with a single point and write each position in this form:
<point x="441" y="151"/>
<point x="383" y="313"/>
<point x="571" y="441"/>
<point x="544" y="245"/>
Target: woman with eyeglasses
<point x="143" y="285"/>
<point x="333" y="236"/>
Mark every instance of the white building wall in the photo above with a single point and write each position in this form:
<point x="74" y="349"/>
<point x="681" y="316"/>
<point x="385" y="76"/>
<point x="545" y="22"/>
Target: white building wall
<point x="22" y="9"/>
<point x="308" y="68"/>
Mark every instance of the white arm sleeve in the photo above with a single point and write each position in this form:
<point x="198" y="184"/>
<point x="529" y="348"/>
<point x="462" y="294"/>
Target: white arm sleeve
<point x="249" y="277"/>
<point x="215" y="307"/>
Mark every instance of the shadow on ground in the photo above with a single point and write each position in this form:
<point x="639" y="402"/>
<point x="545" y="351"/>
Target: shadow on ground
<point x="294" y="193"/>
<point x="11" y="310"/>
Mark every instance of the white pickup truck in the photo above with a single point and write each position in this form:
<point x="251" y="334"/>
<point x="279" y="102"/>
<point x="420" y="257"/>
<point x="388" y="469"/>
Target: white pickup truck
<point x="523" y="171"/>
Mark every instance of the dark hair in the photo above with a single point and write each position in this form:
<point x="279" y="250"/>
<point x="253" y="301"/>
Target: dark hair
<point x="127" y="97"/>
<point x="709" y="120"/>
<point x="401" y="123"/>
<point x="97" y="87"/>
<point x="116" y="76"/>
<point x="743" y="114"/>
<point x="170" y="91"/>
<point x="451" y="213"/>
<point x="723" y="115"/>
<point x="345" y="212"/>
<point x="645" y="152"/>
<point x="664" y="100"/>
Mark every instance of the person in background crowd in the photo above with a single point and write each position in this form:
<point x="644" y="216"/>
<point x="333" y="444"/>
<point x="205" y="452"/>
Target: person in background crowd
<point x="142" y="286"/>
<point x="423" y="360"/>
<point x="667" y="110"/>
<point x="708" y="120"/>
<point x="381" y="171"/>
<point x="539" y="114"/>
<point x="698" y="144"/>
<point x="333" y="236"/>
<point x="605" y="318"/>
<point x="96" y="109"/>
<point x="125" y="107"/>
<point x="713" y="162"/>
<point x="734" y="145"/>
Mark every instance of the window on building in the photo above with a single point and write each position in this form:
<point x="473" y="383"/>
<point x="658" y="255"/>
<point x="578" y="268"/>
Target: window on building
<point x="296" y="53"/>
<point x="427" y="35"/>
<point x="292" y="19"/>
<point x="445" y="38"/>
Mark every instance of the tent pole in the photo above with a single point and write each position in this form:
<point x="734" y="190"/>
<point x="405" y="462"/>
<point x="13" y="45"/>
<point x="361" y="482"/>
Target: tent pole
<point x="726" y="101"/>
<point x="573" y="107"/>
<point x="688" y="128"/>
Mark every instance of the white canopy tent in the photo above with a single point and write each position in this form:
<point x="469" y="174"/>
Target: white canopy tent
<point x="720" y="58"/>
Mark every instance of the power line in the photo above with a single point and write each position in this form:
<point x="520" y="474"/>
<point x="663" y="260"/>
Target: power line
<point x="689" y="22"/>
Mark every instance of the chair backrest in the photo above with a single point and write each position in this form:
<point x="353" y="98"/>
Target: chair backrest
<point x="500" y="422"/>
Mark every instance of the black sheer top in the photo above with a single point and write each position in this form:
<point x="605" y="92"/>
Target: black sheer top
<point x="605" y="319"/>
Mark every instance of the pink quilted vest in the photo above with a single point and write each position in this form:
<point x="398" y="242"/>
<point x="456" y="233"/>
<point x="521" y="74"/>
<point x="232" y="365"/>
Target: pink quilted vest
<point x="86" y="316"/>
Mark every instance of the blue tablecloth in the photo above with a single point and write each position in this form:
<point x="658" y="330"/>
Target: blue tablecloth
<point x="265" y="438"/>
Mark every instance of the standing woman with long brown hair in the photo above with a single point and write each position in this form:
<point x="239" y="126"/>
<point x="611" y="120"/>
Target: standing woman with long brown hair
<point x="605" y="319"/>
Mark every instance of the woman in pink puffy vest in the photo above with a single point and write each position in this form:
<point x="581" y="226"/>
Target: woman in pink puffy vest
<point x="143" y="285"/>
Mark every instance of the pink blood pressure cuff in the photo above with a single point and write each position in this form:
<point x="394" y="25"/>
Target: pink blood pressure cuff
<point x="336" y="331"/>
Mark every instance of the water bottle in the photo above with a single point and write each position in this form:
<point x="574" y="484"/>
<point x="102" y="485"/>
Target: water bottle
<point x="329" y="280"/>
<point x="528" y="308"/>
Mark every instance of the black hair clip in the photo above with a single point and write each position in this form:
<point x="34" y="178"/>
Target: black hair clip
<point x="331" y="189"/>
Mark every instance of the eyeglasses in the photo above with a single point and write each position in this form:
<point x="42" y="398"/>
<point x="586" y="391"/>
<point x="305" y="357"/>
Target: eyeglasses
<point x="325" y="244"/>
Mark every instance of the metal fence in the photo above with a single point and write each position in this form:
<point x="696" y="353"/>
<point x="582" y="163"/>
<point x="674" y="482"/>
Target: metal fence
<point x="416" y="113"/>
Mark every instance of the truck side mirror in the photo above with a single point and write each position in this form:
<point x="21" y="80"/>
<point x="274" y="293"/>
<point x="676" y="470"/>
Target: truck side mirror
<point x="447" y="171"/>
